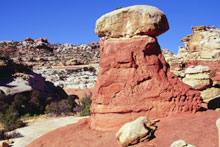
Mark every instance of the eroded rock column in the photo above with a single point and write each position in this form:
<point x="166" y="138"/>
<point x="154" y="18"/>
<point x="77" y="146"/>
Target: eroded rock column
<point x="134" y="79"/>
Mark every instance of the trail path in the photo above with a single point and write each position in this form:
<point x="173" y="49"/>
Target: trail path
<point x="39" y="128"/>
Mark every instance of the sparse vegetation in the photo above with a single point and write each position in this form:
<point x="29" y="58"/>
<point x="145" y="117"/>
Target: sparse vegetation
<point x="85" y="106"/>
<point x="29" y="104"/>
<point x="11" y="119"/>
<point x="63" y="107"/>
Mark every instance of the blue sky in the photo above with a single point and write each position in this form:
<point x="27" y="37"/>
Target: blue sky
<point x="73" y="21"/>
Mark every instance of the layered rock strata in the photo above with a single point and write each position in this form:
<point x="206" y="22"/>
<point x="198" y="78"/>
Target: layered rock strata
<point x="134" y="79"/>
<point x="66" y="65"/>
<point x="198" y="63"/>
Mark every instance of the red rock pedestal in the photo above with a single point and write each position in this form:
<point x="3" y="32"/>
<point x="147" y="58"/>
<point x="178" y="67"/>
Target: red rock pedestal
<point x="134" y="80"/>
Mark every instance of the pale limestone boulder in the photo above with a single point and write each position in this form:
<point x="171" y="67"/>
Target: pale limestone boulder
<point x="132" y="131"/>
<point x="197" y="84"/>
<point x="197" y="69"/>
<point x="210" y="93"/>
<point x="197" y="77"/>
<point x="131" y="21"/>
<point x="181" y="143"/>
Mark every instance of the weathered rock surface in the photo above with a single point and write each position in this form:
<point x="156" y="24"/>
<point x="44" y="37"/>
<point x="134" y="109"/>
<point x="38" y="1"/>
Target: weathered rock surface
<point x="131" y="21"/>
<point x="132" y="132"/>
<point x="197" y="77"/>
<point x="203" y="44"/>
<point x="134" y="80"/>
<point x="201" y="50"/>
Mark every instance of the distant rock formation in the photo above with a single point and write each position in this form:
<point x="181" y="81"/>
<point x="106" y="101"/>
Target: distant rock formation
<point x="134" y="79"/>
<point x="71" y="78"/>
<point x="198" y="63"/>
<point x="42" y="53"/>
<point x="52" y="61"/>
<point x="18" y="78"/>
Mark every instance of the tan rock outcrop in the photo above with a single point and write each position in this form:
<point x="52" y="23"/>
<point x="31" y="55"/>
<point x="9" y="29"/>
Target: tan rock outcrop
<point x="203" y="44"/>
<point x="210" y="93"/>
<point x="131" y="21"/>
<point x="197" y="77"/>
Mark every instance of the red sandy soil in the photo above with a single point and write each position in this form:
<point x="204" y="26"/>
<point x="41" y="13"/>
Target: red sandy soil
<point x="198" y="129"/>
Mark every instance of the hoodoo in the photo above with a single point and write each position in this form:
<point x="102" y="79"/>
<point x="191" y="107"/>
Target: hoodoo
<point x="134" y="79"/>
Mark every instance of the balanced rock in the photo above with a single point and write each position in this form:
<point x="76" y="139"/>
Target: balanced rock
<point x="134" y="80"/>
<point x="131" y="21"/>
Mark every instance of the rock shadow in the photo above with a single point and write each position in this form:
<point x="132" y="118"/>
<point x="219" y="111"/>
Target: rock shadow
<point x="214" y="103"/>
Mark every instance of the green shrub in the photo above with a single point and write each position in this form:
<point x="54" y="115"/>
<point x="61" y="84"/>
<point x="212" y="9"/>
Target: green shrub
<point x="11" y="119"/>
<point x="20" y="103"/>
<point x="72" y="101"/>
<point x="63" y="107"/>
<point x="85" y="106"/>
<point x="59" y="108"/>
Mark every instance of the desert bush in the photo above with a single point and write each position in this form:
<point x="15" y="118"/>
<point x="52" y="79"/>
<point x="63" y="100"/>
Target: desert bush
<point x="63" y="107"/>
<point x="72" y="101"/>
<point x="37" y="103"/>
<point x="20" y="103"/>
<point x="59" y="108"/>
<point x="85" y="106"/>
<point x="29" y="102"/>
<point x="11" y="119"/>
